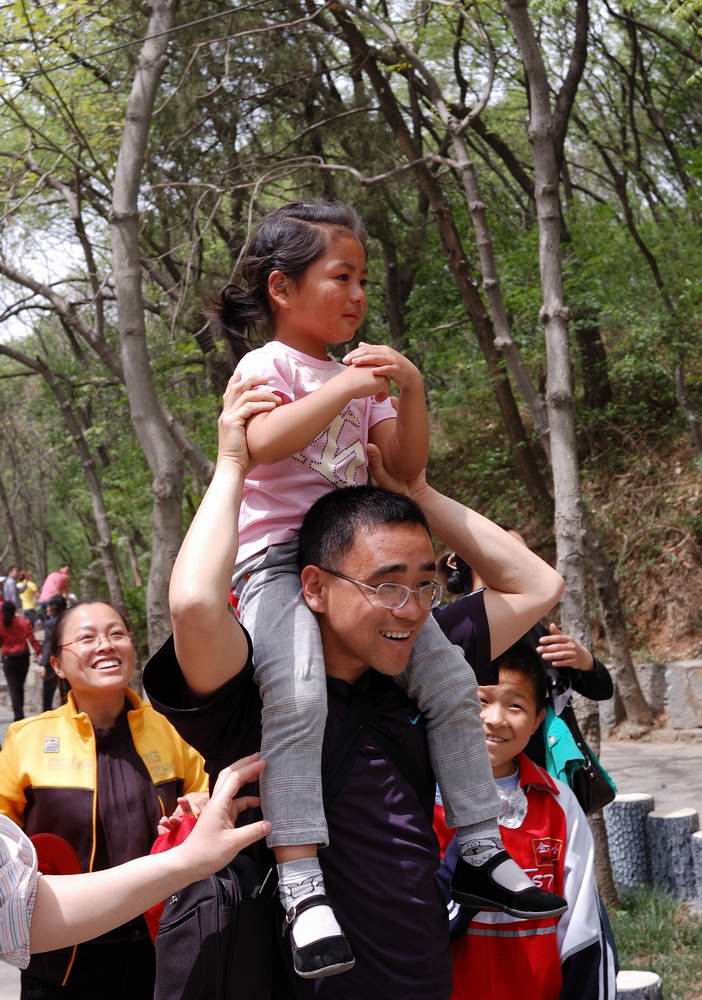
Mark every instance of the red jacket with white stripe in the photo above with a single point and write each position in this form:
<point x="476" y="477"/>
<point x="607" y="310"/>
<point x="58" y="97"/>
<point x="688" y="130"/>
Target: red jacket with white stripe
<point x="499" y="957"/>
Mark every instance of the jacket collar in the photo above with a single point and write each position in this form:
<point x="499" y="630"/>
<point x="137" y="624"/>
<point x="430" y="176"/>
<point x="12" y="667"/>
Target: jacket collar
<point x="533" y="776"/>
<point x="82" y="723"/>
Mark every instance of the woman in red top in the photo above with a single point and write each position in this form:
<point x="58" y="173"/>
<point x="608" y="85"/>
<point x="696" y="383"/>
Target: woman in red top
<point x="15" y="633"/>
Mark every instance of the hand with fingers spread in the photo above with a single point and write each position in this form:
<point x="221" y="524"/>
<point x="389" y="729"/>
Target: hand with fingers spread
<point x="243" y="399"/>
<point x="560" y="650"/>
<point x="215" y="838"/>
<point x="386" y="362"/>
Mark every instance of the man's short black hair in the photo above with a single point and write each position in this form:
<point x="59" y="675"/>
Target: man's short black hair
<point x="523" y="658"/>
<point x="330" y="525"/>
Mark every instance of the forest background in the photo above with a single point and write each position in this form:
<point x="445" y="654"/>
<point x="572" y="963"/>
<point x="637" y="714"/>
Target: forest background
<point x="530" y="177"/>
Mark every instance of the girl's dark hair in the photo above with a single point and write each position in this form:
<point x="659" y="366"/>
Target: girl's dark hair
<point x="62" y="618"/>
<point x="459" y="579"/>
<point x="8" y="613"/>
<point x="287" y="240"/>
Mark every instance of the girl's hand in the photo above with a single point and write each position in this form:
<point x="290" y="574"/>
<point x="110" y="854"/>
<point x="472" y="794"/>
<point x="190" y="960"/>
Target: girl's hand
<point x="382" y="477"/>
<point x="559" y="650"/>
<point x="215" y="839"/>
<point x="243" y="399"/>
<point x="387" y="362"/>
<point x="190" y="804"/>
<point x="363" y="382"/>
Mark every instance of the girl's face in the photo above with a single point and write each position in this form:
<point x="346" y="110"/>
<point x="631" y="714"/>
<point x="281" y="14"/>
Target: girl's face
<point x="96" y="651"/>
<point x="327" y="304"/>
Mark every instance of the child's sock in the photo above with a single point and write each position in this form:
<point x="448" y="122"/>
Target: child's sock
<point x="296" y="880"/>
<point x="482" y="841"/>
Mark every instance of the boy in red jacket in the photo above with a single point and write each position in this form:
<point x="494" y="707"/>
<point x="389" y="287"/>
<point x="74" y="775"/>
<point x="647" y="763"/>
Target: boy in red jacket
<point x="497" y="956"/>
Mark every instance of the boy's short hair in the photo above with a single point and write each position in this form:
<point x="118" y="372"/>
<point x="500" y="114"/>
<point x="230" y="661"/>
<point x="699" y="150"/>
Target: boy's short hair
<point x="329" y="528"/>
<point x="523" y="658"/>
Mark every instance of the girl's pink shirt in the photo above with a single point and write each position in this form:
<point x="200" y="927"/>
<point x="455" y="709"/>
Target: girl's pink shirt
<point x="277" y="496"/>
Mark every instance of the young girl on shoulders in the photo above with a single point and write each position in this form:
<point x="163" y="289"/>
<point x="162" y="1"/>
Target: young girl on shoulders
<point x="304" y="277"/>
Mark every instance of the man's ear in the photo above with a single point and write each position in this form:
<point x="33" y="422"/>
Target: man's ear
<point x="314" y="589"/>
<point x="279" y="287"/>
<point x="539" y="719"/>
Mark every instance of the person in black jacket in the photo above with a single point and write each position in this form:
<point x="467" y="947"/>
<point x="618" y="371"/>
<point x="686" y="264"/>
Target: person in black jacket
<point x="570" y="666"/>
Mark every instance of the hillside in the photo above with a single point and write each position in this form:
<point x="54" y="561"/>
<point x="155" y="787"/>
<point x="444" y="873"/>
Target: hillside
<point x="647" y="496"/>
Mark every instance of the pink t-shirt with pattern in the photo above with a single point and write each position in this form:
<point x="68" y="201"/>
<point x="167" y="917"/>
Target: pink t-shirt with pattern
<point x="277" y="496"/>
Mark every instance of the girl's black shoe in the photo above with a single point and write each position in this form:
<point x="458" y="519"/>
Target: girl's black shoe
<point x="328" y="956"/>
<point x="475" y="887"/>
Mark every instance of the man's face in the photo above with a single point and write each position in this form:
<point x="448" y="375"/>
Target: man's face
<point x="357" y="631"/>
<point x="509" y="716"/>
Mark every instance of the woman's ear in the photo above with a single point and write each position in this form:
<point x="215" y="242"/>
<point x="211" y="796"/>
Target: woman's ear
<point x="279" y="289"/>
<point x="314" y="589"/>
<point x="54" y="664"/>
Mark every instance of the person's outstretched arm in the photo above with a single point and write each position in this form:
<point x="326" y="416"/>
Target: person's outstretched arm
<point x="520" y="587"/>
<point x="210" y="644"/>
<point x="69" y="909"/>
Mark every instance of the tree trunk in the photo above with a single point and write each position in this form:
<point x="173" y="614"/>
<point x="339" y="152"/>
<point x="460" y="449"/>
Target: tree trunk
<point x="525" y="460"/>
<point x="685" y="404"/>
<point x="15" y="547"/>
<point x="597" y="391"/>
<point x="163" y="457"/>
<point x="568" y="517"/>
<point x="638" y="713"/>
<point x="108" y="556"/>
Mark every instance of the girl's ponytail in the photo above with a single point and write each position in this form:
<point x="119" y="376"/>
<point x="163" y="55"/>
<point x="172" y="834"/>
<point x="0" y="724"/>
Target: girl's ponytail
<point x="231" y="314"/>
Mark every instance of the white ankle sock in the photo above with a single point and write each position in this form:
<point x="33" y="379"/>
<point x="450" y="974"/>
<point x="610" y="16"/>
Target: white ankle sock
<point x="296" y="880"/>
<point x="481" y="842"/>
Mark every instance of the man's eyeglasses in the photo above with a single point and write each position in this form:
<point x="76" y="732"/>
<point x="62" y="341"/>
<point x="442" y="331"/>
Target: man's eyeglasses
<point x="395" y="595"/>
<point x="115" y="636"/>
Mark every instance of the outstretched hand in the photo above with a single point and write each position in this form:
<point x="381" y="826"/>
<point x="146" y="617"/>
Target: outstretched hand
<point x="560" y="650"/>
<point x="216" y="839"/>
<point x="243" y="399"/>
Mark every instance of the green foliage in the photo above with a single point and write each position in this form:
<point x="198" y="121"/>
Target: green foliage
<point x="655" y="933"/>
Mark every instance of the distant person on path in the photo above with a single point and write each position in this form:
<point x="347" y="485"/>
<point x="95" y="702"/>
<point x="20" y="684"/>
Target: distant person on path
<point x="15" y="635"/>
<point x="54" y="608"/>
<point x="56" y="583"/>
<point x="39" y="913"/>
<point x="29" y="595"/>
<point x="100" y="772"/>
<point x="9" y="587"/>
<point x="304" y="276"/>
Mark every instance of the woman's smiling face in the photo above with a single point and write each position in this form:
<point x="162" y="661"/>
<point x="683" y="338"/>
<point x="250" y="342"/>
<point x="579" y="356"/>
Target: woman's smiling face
<point x="96" y="652"/>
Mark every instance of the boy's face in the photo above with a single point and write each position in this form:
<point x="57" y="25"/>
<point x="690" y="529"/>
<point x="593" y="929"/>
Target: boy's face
<point x="509" y="717"/>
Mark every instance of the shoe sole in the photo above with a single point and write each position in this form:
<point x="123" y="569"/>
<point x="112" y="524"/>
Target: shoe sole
<point x="329" y="970"/>
<point x="490" y="906"/>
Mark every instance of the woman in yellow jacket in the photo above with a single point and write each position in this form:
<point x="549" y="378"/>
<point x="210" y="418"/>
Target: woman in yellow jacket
<point x="100" y="772"/>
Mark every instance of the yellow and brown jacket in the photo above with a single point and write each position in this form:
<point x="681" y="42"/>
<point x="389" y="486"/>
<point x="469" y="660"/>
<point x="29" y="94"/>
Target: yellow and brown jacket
<point x="48" y="777"/>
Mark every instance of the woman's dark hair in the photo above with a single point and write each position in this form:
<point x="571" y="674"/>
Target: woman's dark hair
<point x="287" y="240"/>
<point x="8" y="613"/>
<point x="61" y="619"/>
<point x="459" y="576"/>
